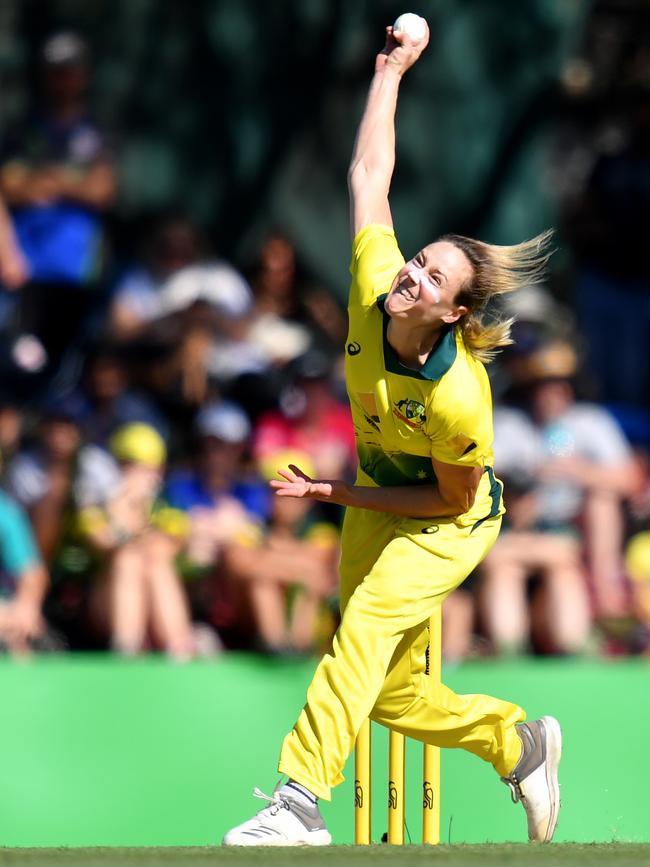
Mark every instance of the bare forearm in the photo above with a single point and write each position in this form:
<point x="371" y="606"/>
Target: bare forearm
<point x="374" y="149"/>
<point x="421" y="501"/>
<point x="621" y="481"/>
<point x="7" y="238"/>
<point x="96" y="187"/>
<point x="32" y="586"/>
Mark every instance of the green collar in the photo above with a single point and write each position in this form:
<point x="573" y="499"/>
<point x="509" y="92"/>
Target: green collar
<point x="437" y="364"/>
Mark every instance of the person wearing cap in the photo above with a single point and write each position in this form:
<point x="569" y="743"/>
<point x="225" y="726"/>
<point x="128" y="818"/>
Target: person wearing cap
<point x="137" y="599"/>
<point x="220" y="499"/>
<point x="310" y="419"/>
<point x="58" y="179"/>
<point x="282" y="571"/>
<point x="569" y="467"/>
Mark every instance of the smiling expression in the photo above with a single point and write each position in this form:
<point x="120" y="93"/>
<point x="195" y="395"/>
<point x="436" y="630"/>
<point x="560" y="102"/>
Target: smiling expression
<point x="425" y="287"/>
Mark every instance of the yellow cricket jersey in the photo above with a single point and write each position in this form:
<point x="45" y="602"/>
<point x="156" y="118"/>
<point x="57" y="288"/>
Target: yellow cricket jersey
<point x="402" y="417"/>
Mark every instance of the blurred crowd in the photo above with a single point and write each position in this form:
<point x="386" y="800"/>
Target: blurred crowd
<point x="146" y="402"/>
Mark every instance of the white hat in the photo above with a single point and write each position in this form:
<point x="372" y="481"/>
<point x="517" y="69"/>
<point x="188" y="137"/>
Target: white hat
<point x="225" y="421"/>
<point x="216" y="283"/>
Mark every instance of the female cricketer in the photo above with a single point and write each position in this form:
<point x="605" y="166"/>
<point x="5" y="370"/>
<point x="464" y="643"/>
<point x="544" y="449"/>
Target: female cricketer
<point x="425" y="508"/>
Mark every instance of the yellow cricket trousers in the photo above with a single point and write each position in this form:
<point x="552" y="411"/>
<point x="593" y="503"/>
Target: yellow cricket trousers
<point x="394" y="572"/>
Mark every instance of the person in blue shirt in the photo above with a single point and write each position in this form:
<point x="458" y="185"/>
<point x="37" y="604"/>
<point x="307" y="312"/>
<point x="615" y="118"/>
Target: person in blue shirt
<point x="57" y="177"/>
<point x="23" y="580"/>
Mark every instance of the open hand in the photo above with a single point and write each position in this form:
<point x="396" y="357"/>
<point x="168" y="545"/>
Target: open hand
<point x="299" y="484"/>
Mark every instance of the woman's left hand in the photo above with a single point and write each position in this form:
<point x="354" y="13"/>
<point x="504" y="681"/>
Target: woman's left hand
<point x="299" y="484"/>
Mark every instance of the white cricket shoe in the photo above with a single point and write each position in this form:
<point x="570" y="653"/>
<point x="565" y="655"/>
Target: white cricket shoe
<point x="287" y="821"/>
<point x="534" y="780"/>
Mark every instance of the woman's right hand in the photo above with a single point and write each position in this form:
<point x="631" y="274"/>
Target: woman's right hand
<point x="399" y="52"/>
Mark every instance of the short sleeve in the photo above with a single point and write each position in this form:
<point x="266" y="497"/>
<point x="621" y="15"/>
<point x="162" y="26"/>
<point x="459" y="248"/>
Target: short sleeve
<point x="466" y="444"/>
<point x="376" y="259"/>
<point x="462" y="432"/>
<point x="17" y="545"/>
<point x="600" y="437"/>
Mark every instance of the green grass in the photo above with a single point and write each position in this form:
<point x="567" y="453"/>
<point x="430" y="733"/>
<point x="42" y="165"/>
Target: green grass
<point x="565" y="855"/>
<point x="142" y="753"/>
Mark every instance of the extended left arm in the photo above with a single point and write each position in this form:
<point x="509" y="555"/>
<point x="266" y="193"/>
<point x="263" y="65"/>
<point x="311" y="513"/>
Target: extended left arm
<point x="453" y="494"/>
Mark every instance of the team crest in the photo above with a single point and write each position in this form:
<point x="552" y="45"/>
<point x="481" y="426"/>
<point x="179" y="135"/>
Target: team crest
<point x="411" y="412"/>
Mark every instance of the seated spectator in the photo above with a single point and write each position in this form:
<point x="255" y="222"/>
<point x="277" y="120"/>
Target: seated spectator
<point x="567" y="468"/>
<point x="138" y="597"/>
<point x="41" y="477"/>
<point x="280" y="575"/>
<point x="23" y="583"/>
<point x="282" y="295"/>
<point x="311" y="420"/>
<point x="174" y="274"/>
<point x="220" y="497"/>
<point x="108" y="401"/>
<point x="14" y="270"/>
<point x="559" y="619"/>
<point x="587" y="469"/>
<point x="216" y="494"/>
<point x="459" y="613"/>
<point x="57" y="176"/>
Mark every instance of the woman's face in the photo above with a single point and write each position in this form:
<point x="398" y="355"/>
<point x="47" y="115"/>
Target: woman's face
<point x="424" y="289"/>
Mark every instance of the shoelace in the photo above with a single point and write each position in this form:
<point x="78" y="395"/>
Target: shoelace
<point x="515" y="791"/>
<point x="275" y="802"/>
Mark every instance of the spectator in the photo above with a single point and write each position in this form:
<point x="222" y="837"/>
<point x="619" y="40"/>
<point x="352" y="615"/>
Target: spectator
<point x="220" y="499"/>
<point x="41" y="477"/>
<point x="282" y="295"/>
<point x="194" y="305"/>
<point x="459" y="612"/>
<point x="13" y="267"/>
<point x="532" y="545"/>
<point x="174" y="274"/>
<point x="610" y="225"/>
<point x="23" y="583"/>
<point x="217" y="495"/>
<point x="569" y="467"/>
<point x="311" y="420"/>
<point x="137" y="597"/>
<point x="281" y="573"/>
<point x="57" y="176"/>
<point x="109" y="402"/>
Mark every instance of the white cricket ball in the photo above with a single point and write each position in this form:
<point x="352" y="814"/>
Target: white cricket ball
<point x="413" y="25"/>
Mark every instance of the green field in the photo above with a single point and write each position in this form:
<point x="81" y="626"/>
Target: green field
<point x="567" y="855"/>
<point x="96" y="751"/>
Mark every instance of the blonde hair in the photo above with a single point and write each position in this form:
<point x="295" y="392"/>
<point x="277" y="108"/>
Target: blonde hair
<point x="497" y="270"/>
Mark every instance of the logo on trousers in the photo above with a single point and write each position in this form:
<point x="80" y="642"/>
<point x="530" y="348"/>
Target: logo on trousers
<point x="392" y="795"/>
<point x="354" y="348"/>
<point x="427" y="795"/>
<point x="358" y="794"/>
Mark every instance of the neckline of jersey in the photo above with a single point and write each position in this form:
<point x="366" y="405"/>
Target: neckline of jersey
<point x="437" y="364"/>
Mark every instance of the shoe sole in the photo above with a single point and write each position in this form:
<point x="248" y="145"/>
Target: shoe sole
<point x="553" y="756"/>
<point x="258" y="844"/>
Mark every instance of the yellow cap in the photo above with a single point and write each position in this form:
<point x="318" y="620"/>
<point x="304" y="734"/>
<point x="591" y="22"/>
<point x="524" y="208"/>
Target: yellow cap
<point x="637" y="557"/>
<point x="138" y="443"/>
